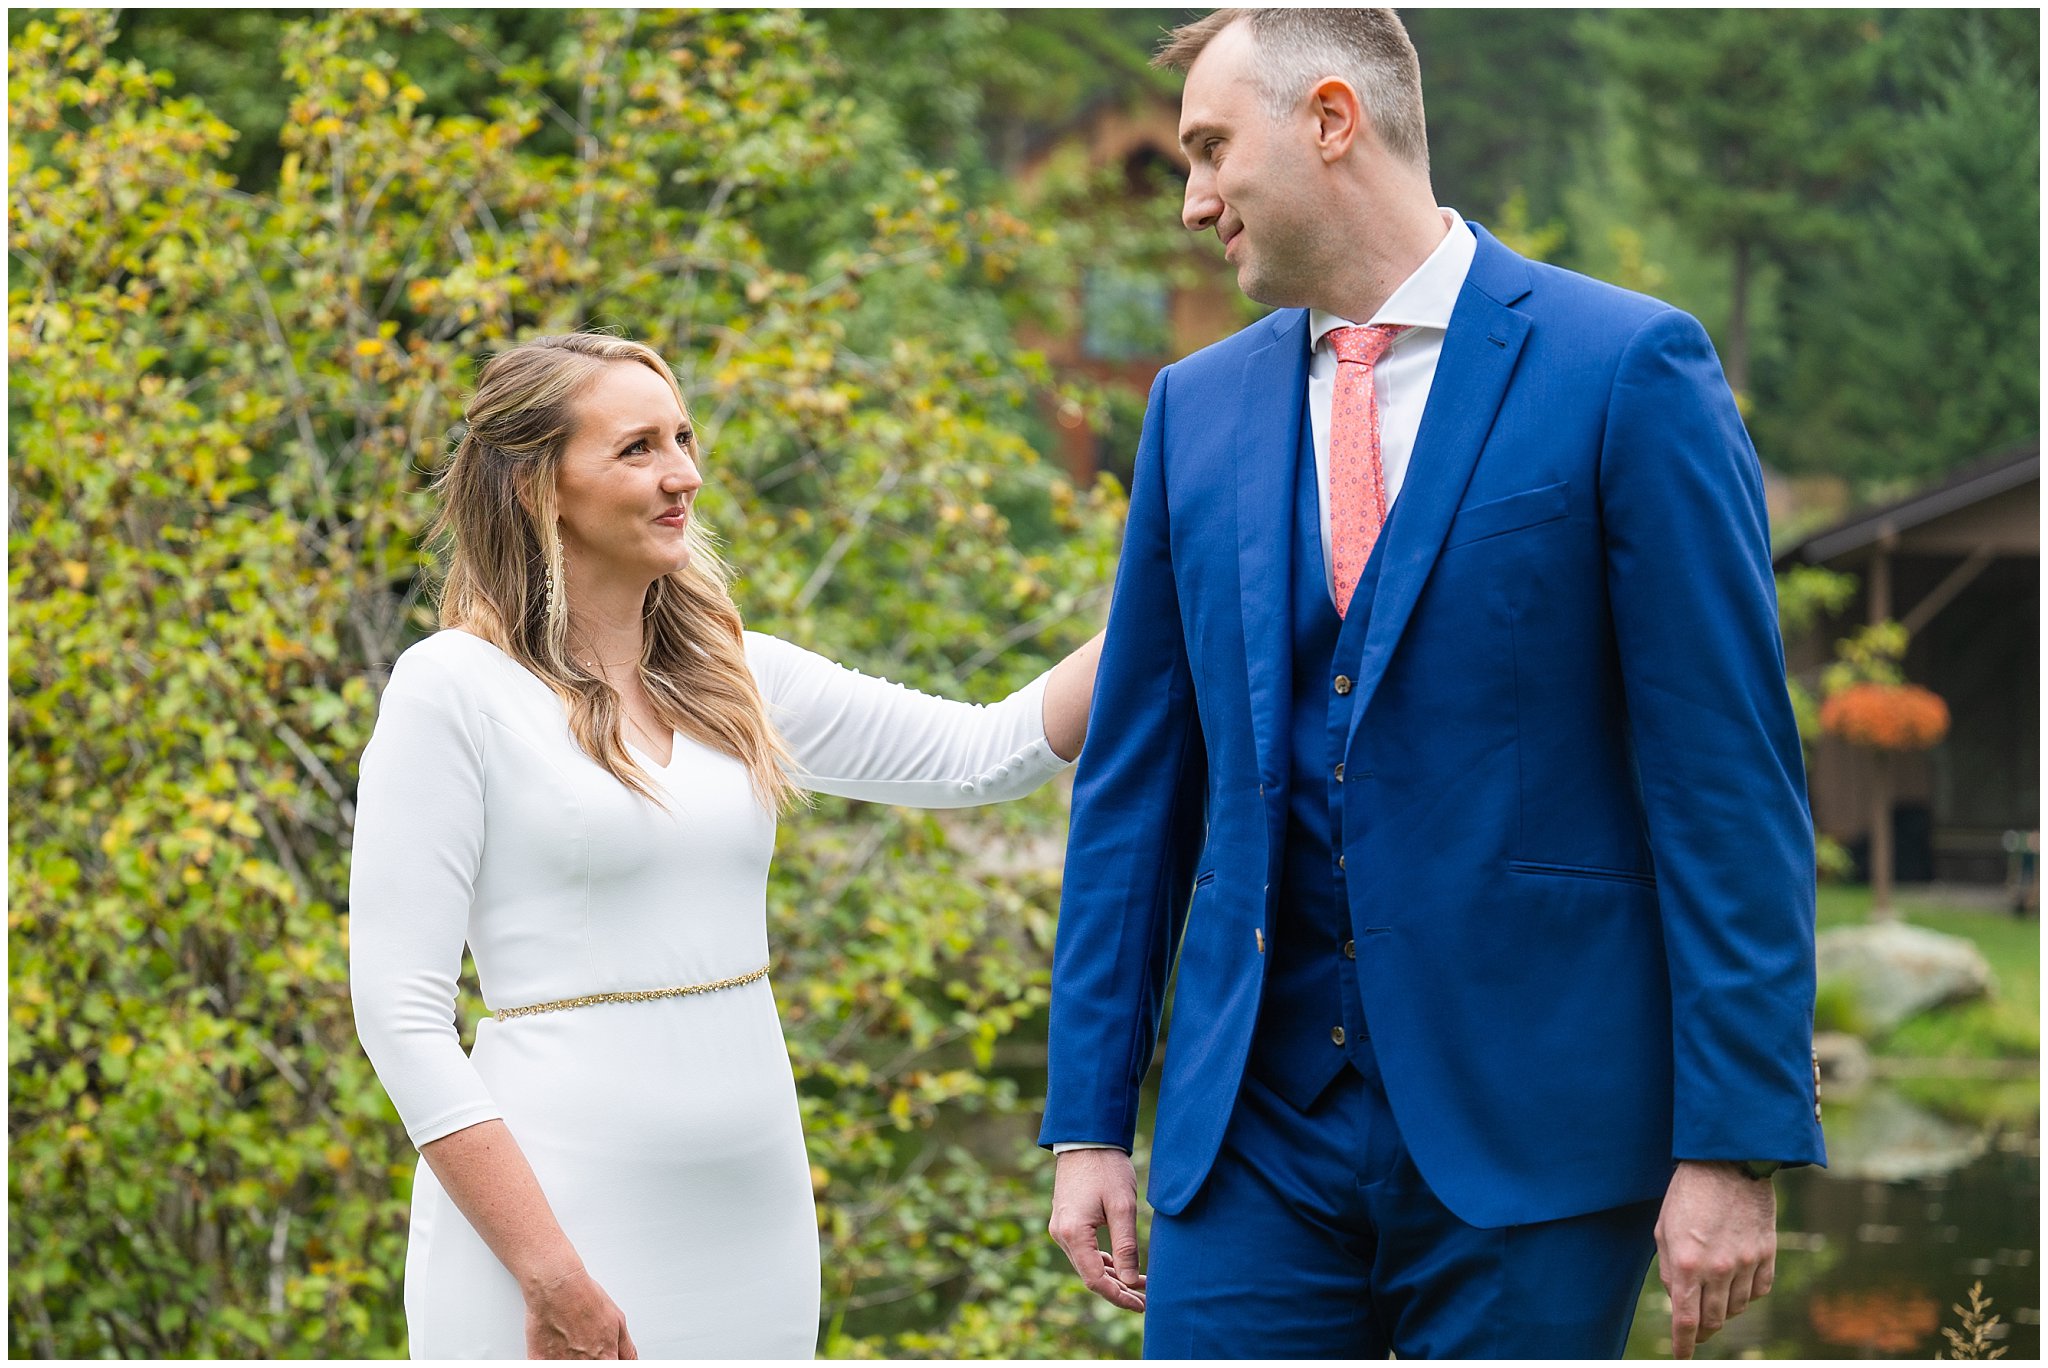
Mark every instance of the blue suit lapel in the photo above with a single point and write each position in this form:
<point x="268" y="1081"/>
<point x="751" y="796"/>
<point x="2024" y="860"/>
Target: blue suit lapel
<point x="1481" y="347"/>
<point x="1268" y="433"/>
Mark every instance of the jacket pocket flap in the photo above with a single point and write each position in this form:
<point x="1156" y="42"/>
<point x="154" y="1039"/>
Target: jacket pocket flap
<point x="1516" y="511"/>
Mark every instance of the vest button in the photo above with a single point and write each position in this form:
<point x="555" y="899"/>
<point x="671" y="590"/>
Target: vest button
<point x="1340" y="771"/>
<point x="1350" y="949"/>
<point x="1343" y="684"/>
<point x="1340" y="862"/>
<point x="1336" y="1035"/>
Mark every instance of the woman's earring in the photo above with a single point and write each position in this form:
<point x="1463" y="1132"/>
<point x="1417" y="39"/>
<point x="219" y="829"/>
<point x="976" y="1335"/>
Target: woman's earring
<point x="554" y="592"/>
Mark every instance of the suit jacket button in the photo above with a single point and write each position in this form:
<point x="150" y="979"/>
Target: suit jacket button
<point x="1343" y="684"/>
<point x="1336" y="1035"/>
<point x="1340" y="771"/>
<point x="1350" y="949"/>
<point x="1340" y="862"/>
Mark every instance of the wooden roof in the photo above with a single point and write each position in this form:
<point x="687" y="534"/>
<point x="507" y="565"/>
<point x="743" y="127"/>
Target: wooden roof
<point x="1993" y="505"/>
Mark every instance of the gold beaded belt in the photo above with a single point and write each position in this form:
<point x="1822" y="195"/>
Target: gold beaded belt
<point x="636" y="995"/>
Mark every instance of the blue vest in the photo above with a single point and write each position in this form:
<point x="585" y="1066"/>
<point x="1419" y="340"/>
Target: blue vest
<point x="1311" y="1020"/>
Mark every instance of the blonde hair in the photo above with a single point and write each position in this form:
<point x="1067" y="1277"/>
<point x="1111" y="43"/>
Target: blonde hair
<point x="1295" y="48"/>
<point x="505" y="579"/>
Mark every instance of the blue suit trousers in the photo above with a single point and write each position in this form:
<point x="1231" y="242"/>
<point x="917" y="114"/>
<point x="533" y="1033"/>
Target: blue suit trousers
<point x="1316" y="1237"/>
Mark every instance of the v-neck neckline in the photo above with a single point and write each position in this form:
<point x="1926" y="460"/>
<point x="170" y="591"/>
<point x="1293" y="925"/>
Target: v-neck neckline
<point x="674" y="742"/>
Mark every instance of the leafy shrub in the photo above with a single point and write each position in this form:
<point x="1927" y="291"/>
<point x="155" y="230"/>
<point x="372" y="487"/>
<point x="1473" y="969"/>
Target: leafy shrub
<point x="226" y="406"/>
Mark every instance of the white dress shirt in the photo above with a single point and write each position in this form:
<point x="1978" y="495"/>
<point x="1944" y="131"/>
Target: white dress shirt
<point x="1400" y="379"/>
<point x="1402" y="376"/>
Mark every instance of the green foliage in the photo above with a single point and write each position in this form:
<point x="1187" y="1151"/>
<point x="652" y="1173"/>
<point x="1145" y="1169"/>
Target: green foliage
<point x="1749" y="123"/>
<point x="1748" y="127"/>
<point x="1872" y="654"/>
<point x="1987" y="1028"/>
<point x="2009" y="1102"/>
<point x="1808" y="593"/>
<point x="1934" y="310"/>
<point x="1493" y="136"/>
<point x="1831" y="858"/>
<point x="228" y="402"/>
<point x="1835" y="1008"/>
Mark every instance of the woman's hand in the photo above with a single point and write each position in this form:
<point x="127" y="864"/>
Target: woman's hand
<point x="572" y="1318"/>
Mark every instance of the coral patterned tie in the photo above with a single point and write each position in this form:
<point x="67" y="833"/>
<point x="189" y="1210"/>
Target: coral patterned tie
<point x="1358" y="483"/>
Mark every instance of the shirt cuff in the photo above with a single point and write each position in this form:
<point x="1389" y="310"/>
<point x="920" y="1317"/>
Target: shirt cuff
<point x="1062" y="1146"/>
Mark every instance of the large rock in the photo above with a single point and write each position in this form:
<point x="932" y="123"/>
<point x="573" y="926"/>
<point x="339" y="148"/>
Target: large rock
<point x="1843" y="1062"/>
<point x="1883" y="1136"/>
<point x="1896" y="971"/>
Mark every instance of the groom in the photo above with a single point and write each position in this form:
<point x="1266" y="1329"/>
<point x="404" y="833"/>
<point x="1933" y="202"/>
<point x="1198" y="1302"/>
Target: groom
<point x="1441" y="740"/>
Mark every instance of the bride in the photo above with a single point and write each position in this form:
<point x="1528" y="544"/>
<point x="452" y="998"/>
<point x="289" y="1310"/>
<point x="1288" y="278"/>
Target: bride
<point x="579" y="777"/>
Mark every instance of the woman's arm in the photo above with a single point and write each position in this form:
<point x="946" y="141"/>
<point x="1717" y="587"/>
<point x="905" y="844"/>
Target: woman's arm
<point x="567" y="1314"/>
<point x="1068" y="691"/>
<point x="857" y="736"/>
<point x="418" y="845"/>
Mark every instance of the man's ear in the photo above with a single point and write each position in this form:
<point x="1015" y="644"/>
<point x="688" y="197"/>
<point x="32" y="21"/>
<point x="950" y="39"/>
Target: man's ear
<point x="1340" y="117"/>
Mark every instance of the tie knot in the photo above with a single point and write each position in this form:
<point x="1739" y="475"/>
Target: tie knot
<point x="1366" y="344"/>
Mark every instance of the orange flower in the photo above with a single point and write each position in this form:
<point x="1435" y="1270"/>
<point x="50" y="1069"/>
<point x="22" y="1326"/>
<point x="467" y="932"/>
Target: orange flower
<point x="1890" y="717"/>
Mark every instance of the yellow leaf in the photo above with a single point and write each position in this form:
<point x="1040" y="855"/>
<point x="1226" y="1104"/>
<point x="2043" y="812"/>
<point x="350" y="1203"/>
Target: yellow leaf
<point x="374" y="82"/>
<point x="370" y="346"/>
<point x="76" y="571"/>
<point x="337" y="1155"/>
<point x="123" y="1044"/>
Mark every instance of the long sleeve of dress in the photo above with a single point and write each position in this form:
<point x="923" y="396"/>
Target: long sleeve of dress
<point x="418" y="843"/>
<point x="856" y="736"/>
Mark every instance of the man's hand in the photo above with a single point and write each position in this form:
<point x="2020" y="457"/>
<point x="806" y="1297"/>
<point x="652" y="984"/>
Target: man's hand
<point x="1093" y="1188"/>
<point x="1717" y="1248"/>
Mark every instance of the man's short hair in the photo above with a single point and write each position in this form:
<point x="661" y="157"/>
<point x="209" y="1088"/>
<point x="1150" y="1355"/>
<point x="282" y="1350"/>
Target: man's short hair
<point x="1294" y="48"/>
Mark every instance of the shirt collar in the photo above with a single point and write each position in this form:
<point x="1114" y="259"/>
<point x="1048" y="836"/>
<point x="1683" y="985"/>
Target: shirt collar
<point x="1426" y="298"/>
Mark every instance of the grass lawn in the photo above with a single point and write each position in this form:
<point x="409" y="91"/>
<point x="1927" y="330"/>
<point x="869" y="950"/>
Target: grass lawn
<point x="2007" y="1025"/>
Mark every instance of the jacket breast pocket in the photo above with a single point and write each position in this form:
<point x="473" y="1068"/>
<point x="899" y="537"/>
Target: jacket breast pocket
<point x="1529" y="508"/>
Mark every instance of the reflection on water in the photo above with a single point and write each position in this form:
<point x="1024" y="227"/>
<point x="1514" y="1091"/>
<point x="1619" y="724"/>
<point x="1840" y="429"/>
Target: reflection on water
<point x="1875" y="1251"/>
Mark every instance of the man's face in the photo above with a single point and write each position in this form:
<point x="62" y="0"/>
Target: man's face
<point x="1250" y="177"/>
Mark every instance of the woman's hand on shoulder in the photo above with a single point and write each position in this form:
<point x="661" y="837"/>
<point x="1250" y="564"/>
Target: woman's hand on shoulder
<point x="572" y="1318"/>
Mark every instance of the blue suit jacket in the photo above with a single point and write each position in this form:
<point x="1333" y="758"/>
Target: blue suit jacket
<point x="1580" y="862"/>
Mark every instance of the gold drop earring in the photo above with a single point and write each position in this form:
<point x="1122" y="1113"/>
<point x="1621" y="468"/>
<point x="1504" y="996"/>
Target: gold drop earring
<point x="554" y="585"/>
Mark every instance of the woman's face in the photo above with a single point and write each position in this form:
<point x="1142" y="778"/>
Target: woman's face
<point x="628" y="480"/>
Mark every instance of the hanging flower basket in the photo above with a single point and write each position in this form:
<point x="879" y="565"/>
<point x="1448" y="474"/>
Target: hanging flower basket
<point x="1886" y="717"/>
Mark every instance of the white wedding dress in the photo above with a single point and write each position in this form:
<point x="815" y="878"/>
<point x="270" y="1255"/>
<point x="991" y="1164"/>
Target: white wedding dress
<point x="664" y="1133"/>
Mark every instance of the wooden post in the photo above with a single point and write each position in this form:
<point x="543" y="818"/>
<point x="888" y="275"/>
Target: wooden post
<point x="1880" y="606"/>
<point x="1881" y="908"/>
<point x="1880" y="586"/>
